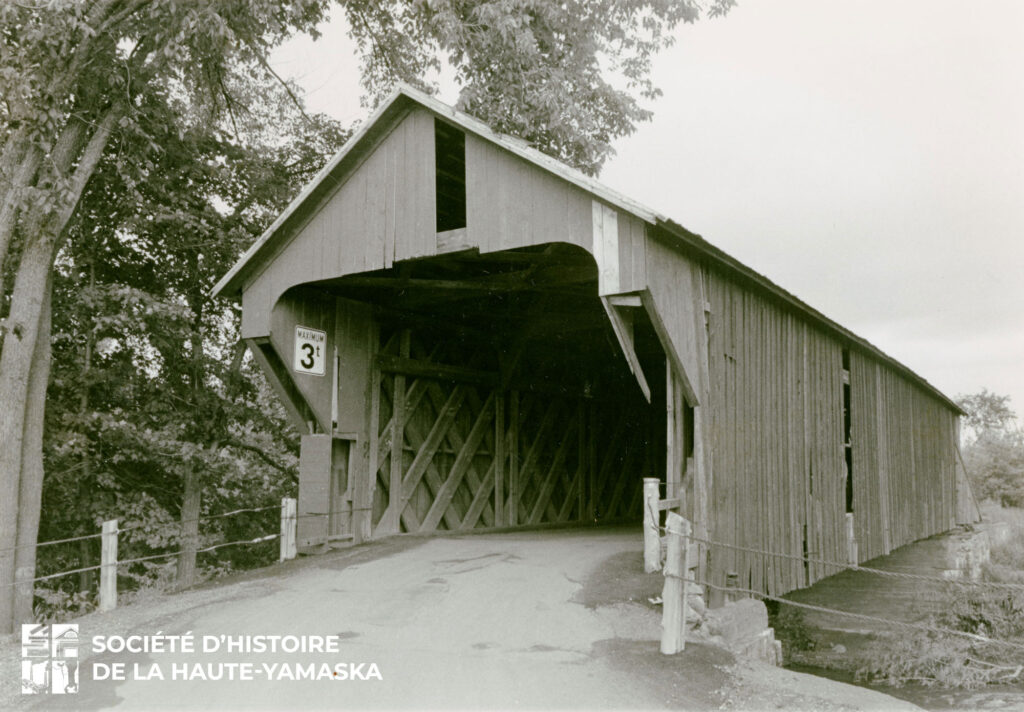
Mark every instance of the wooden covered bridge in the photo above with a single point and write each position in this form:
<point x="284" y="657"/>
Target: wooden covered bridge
<point x="470" y="334"/>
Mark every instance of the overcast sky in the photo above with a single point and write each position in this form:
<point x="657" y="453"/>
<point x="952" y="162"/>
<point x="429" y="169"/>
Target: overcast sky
<point x="867" y="156"/>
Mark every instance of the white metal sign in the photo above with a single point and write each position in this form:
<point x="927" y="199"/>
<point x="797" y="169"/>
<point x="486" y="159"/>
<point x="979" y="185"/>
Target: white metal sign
<point x="310" y="350"/>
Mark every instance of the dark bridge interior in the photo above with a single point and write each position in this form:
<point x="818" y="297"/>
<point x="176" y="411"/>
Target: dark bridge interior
<point x="514" y="342"/>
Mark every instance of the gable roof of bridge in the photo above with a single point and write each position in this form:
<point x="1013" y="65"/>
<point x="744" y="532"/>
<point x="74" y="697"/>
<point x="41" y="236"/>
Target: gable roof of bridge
<point x="405" y="98"/>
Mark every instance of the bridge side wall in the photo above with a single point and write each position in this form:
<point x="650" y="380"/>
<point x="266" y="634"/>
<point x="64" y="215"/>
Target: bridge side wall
<point x="776" y="433"/>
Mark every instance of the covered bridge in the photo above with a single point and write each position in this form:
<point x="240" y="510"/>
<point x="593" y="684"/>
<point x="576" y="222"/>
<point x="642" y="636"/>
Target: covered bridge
<point x="470" y="334"/>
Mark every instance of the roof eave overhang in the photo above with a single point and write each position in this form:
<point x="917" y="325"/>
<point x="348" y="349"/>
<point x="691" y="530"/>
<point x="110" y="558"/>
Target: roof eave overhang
<point x="404" y="99"/>
<point x="694" y="244"/>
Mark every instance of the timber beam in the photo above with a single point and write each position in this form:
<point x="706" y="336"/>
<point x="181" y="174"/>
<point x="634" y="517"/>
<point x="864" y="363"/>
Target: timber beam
<point x="429" y="369"/>
<point x="621" y="318"/>
<point x="519" y="280"/>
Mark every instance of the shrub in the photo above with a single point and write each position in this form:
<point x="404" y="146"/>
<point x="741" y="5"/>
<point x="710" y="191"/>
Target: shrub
<point x="988" y="613"/>
<point x="941" y="660"/>
<point x="791" y="628"/>
<point x="1008" y="556"/>
<point x="993" y="448"/>
<point x="55" y="605"/>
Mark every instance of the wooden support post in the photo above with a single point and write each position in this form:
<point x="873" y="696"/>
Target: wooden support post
<point x="289" y="523"/>
<point x="701" y="490"/>
<point x="108" y="566"/>
<point x="581" y="464"/>
<point x="396" y="500"/>
<point x="673" y="621"/>
<point x="671" y="446"/>
<point x="592" y="467"/>
<point x="499" y="459"/>
<point x="367" y="482"/>
<point x="513" y="464"/>
<point x="652" y="517"/>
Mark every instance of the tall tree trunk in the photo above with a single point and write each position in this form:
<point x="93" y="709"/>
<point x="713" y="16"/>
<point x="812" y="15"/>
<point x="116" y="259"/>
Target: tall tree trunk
<point x="17" y="180"/>
<point x="189" y="528"/>
<point x="35" y="222"/>
<point x="85" y="578"/>
<point x="86" y="557"/>
<point x="30" y="491"/>
<point x="16" y="362"/>
<point x="193" y="485"/>
<point x="31" y="285"/>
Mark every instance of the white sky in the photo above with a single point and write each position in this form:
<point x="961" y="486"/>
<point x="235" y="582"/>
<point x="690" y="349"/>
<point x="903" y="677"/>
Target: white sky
<point x="867" y="156"/>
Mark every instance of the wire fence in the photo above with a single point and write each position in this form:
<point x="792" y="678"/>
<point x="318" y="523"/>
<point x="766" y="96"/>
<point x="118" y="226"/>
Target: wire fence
<point x="836" y="566"/>
<point x="887" y="623"/>
<point x="846" y="566"/>
<point x="154" y="557"/>
<point x="151" y="557"/>
<point x="921" y="627"/>
<point x="866" y="569"/>
<point x="134" y="527"/>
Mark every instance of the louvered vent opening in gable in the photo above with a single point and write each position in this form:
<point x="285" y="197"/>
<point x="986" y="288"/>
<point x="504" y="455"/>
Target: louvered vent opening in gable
<point x="450" y="176"/>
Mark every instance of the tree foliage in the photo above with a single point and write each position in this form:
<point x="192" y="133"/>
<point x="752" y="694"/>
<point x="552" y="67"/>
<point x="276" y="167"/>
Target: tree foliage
<point x="149" y="386"/>
<point x="568" y="77"/>
<point x="145" y="143"/>
<point x="81" y="84"/>
<point x="993" y="448"/>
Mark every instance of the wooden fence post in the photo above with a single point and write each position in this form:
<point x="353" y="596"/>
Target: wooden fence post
<point x="108" y="566"/>
<point x="652" y="534"/>
<point x="289" y="520"/>
<point x="732" y="582"/>
<point x="673" y="621"/>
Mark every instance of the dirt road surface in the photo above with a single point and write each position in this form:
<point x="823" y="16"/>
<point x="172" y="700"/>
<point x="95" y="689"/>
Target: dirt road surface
<point x="528" y="620"/>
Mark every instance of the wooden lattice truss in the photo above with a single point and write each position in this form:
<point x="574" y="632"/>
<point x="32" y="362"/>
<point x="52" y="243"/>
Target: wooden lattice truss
<point x="466" y="452"/>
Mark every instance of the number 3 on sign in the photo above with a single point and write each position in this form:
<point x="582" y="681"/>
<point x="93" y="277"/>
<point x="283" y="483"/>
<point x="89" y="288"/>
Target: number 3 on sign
<point x="310" y="350"/>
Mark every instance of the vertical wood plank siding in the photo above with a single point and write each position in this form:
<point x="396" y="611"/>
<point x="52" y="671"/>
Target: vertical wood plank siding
<point x="349" y="331"/>
<point x="767" y="384"/>
<point x="510" y="204"/>
<point x="775" y="426"/>
<point x="677" y="308"/>
<point x="382" y="212"/>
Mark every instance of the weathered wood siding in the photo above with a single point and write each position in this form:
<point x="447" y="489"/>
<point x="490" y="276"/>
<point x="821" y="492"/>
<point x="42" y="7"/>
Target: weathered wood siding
<point x="775" y="426"/>
<point x="903" y="460"/>
<point x="349" y="331"/>
<point x="382" y="212"/>
<point x="768" y="465"/>
<point x="330" y="462"/>
<point x="677" y="312"/>
<point x="311" y="310"/>
<point x="510" y="203"/>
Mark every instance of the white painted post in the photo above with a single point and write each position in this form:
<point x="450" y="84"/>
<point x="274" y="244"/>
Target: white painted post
<point x="652" y="535"/>
<point x="673" y="620"/>
<point x="851" y="541"/>
<point x="289" y="521"/>
<point x="108" y="566"/>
